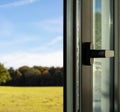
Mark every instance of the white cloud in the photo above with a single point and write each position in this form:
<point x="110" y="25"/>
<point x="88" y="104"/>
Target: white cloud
<point x="19" y="59"/>
<point x="17" y="3"/>
<point x="51" y="25"/>
<point x="55" y="40"/>
<point x="17" y="40"/>
<point x="48" y="45"/>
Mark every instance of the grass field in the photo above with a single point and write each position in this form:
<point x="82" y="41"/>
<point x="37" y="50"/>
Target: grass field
<point x="31" y="99"/>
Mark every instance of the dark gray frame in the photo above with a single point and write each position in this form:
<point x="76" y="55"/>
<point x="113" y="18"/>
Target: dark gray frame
<point x="117" y="54"/>
<point x="77" y="85"/>
<point x="69" y="55"/>
<point x="73" y="46"/>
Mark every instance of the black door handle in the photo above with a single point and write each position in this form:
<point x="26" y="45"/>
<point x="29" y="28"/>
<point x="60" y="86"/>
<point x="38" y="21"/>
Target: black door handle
<point x="87" y="53"/>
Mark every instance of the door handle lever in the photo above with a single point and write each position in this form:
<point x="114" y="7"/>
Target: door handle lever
<point x="88" y="53"/>
<point x="101" y="53"/>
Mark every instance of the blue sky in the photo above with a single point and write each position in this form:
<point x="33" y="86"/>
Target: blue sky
<point x="31" y="32"/>
<point x="97" y="5"/>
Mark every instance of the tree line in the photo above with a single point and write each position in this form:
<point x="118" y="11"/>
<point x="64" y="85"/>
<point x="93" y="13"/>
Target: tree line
<point x="31" y="76"/>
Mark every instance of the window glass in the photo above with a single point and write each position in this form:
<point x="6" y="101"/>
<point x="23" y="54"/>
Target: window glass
<point x="102" y="68"/>
<point x="31" y="56"/>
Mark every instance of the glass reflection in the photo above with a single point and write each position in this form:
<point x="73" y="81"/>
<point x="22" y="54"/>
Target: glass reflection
<point x="102" y="68"/>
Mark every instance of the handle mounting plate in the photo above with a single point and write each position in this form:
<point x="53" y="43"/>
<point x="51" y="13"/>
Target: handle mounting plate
<point x="88" y="53"/>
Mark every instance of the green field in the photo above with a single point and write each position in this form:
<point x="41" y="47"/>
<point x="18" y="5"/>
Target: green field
<point x="31" y="99"/>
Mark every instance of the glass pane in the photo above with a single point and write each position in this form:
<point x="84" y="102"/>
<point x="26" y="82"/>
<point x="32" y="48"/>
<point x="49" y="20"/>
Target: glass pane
<point x="102" y="68"/>
<point x="31" y="53"/>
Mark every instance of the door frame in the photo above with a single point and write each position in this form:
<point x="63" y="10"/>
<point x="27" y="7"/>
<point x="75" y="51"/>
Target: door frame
<point x="68" y="55"/>
<point x="72" y="40"/>
<point x="117" y="60"/>
<point x="77" y="20"/>
<point x="86" y="76"/>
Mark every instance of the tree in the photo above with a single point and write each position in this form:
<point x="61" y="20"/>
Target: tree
<point x="12" y="72"/>
<point x="4" y="74"/>
<point x="52" y="70"/>
<point x="40" y="68"/>
<point x="32" y="76"/>
<point x="23" y="70"/>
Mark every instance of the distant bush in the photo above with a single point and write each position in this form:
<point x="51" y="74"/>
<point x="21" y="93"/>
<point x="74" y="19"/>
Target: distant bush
<point x="4" y="74"/>
<point x="36" y="76"/>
